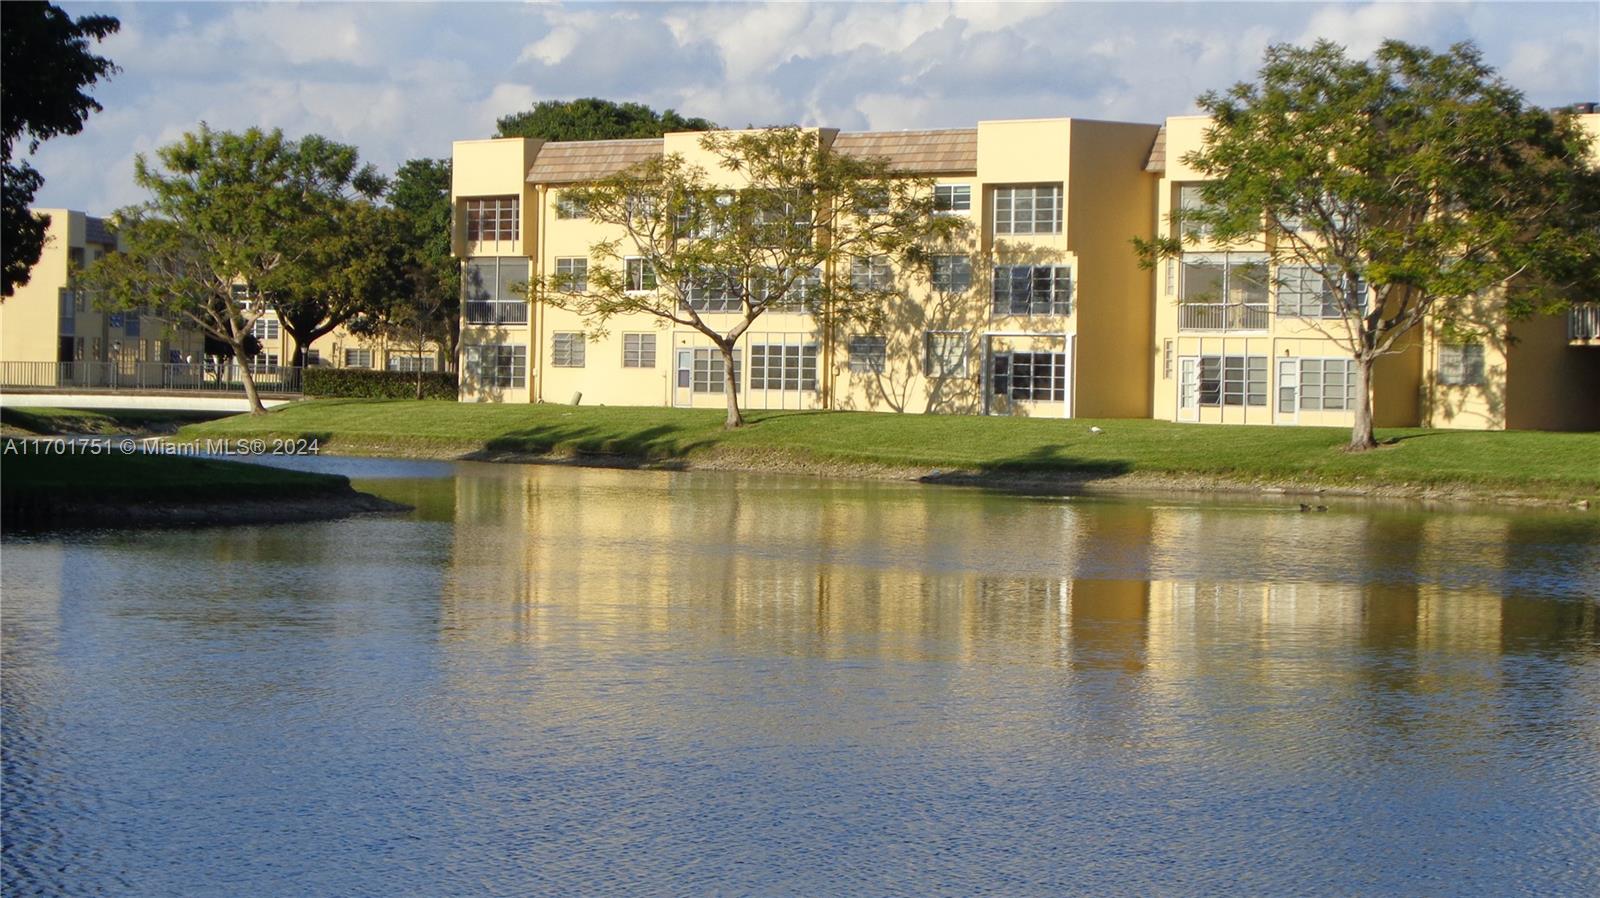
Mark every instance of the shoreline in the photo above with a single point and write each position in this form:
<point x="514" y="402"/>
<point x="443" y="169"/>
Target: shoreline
<point x="24" y="517"/>
<point x="1067" y="483"/>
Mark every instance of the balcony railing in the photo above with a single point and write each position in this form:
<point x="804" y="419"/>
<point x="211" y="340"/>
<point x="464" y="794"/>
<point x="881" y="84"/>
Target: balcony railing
<point x="1583" y="321"/>
<point x="497" y="312"/>
<point x="155" y="377"/>
<point x="1222" y="316"/>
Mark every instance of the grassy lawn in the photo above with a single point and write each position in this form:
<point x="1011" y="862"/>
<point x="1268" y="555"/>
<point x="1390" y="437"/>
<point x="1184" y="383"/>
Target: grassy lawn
<point x="151" y="478"/>
<point x="1549" y="464"/>
<point x="97" y="421"/>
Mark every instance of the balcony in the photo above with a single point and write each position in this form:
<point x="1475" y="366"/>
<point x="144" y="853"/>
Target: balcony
<point x="1222" y="316"/>
<point x="496" y="312"/>
<point x="1583" y="324"/>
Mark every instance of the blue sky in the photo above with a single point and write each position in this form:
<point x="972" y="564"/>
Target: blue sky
<point x="402" y="80"/>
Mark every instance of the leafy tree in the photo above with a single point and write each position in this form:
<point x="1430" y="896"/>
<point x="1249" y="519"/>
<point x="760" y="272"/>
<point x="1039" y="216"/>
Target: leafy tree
<point x="695" y="252"/>
<point x="1414" y="186"/>
<point x="352" y="262"/>
<point x="231" y="224"/>
<point x="431" y="281"/>
<point x="47" y="66"/>
<point x="591" y="118"/>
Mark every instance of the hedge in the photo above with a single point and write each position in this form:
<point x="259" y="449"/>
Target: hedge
<point x="364" y="383"/>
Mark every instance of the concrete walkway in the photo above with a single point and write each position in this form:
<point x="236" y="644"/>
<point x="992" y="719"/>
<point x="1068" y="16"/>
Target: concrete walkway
<point x="165" y="402"/>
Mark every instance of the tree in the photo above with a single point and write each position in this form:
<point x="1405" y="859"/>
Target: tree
<point x="591" y="118"/>
<point x="47" y="65"/>
<point x="350" y="267"/>
<point x="696" y="251"/>
<point x="421" y="196"/>
<point x="1414" y="186"/>
<point x="227" y="229"/>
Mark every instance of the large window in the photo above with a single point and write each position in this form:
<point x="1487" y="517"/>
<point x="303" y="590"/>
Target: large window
<point x="952" y="198"/>
<point x="572" y="274"/>
<point x="1325" y="384"/>
<point x="714" y="292"/>
<point x="567" y="349"/>
<point x="1230" y="380"/>
<point x="498" y="365"/>
<point x="491" y="217"/>
<point x="1027" y="210"/>
<point x="1190" y="200"/>
<point x="1303" y="293"/>
<point x="265" y="328"/>
<point x="783" y="367"/>
<point x="1461" y="364"/>
<point x="802" y="295"/>
<point x="1032" y="290"/>
<point x="871" y="273"/>
<point x="1030" y="376"/>
<point x="358" y="358"/>
<point x="946" y="354"/>
<point x="489" y="286"/>
<point x="952" y="274"/>
<point x="411" y="362"/>
<point x="641" y="275"/>
<point x="638" y="350"/>
<point x="868" y="354"/>
<point x="568" y="206"/>
<point x="1223" y="291"/>
<point x="702" y="370"/>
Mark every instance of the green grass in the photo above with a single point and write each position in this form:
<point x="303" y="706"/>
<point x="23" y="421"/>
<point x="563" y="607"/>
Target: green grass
<point x="1527" y="463"/>
<point x="138" y="477"/>
<point x="97" y="421"/>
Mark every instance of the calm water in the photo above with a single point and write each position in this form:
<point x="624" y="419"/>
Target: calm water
<point x="564" y="681"/>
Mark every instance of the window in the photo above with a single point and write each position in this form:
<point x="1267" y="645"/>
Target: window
<point x="489" y="285"/>
<point x="569" y="206"/>
<point x="1223" y="291"/>
<point x="410" y="362"/>
<point x="572" y="274"/>
<point x="264" y="360"/>
<point x="702" y="370"/>
<point x="567" y="350"/>
<point x="946" y="354"/>
<point x="638" y="350"/>
<point x="1166" y="360"/>
<point x="1325" y="384"/>
<point x="952" y="274"/>
<point x="870" y="273"/>
<point x="1030" y="376"/>
<point x="1461" y="364"/>
<point x="114" y="319"/>
<point x="492" y="218"/>
<point x="358" y="358"/>
<point x="1191" y="200"/>
<point x="868" y="354"/>
<point x="714" y="292"/>
<point x="312" y="357"/>
<point x="265" y="328"/>
<point x="1032" y="290"/>
<point x="780" y="367"/>
<point x="952" y="198"/>
<point x="130" y="325"/>
<point x="1303" y="293"/>
<point x="1027" y="210"/>
<point x="1232" y="380"/>
<point x="803" y="293"/>
<point x="641" y="275"/>
<point x="498" y="365"/>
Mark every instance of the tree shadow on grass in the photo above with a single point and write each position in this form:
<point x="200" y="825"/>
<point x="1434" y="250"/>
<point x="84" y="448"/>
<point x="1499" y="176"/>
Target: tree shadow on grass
<point x="661" y="442"/>
<point x="1044" y="469"/>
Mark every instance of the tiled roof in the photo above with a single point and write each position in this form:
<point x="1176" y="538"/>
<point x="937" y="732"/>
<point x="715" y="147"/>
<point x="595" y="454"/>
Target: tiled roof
<point x="1157" y="160"/>
<point x="570" y="162"/>
<point x="95" y="230"/>
<point x="916" y="152"/>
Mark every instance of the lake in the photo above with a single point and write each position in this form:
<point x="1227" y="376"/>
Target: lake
<point x="551" y="680"/>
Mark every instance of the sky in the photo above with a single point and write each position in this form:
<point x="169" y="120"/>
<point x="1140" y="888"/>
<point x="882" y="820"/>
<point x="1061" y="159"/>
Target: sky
<point x="402" y="80"/>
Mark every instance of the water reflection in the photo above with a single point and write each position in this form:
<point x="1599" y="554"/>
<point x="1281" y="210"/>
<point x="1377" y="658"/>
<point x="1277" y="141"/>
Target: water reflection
<point x="552" y="680"/>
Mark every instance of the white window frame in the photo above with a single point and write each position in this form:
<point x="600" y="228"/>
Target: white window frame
<point x="952" y="199"/>
<point x="498" y="365"/>
<point x="783" y="366"/>
<point x="951" y="273"/>
<point x="1055" y="279"/>
<point x="641" y="275"/>
<point x="1054" y="379"/>
<point x="362" y="357"/>
<point x="502" y="307"/>
<point x="572" y="274"/>
<point x="506" y="218"/>
<point x="1018" y="209"/>
<point x="871" y="273"/>
<point x="868" y="353"/>
<point x="937" y="358"/>
<point x="568" y="349"/>
<point x="639" y="350"/>
<point x="1460" y="365"/>
<point x="1234" y="377"/>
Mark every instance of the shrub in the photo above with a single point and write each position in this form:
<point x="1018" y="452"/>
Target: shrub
<point x="364" y="383"/>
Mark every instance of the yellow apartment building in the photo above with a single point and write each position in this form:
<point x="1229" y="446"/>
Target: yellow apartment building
<point x="1240" y="341"/>
<point x="1044" y="311"/>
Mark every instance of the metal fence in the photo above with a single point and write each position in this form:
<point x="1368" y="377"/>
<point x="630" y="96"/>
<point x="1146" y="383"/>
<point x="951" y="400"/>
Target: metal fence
<point x="1222" y="316"/>
<point x="497" y="312"/>
<point x="153" y="377"/>
<point x="1583" y="321"/>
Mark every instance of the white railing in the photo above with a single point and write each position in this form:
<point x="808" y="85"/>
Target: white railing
<point x="1583" y="321"/>
<point x="1222" y="316"/>
<point x="151" y="377"/>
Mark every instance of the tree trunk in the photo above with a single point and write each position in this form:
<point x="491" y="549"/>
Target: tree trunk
<point x="1361" y="438"/>
<point x="248" y="379"/>
<point x="730" y="383"/>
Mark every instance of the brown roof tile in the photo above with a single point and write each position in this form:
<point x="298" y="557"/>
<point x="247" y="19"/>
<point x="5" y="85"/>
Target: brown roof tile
<point x="1157" y="160"/>
<point x="571" y="162"/>
<point x="916" y="152"/>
